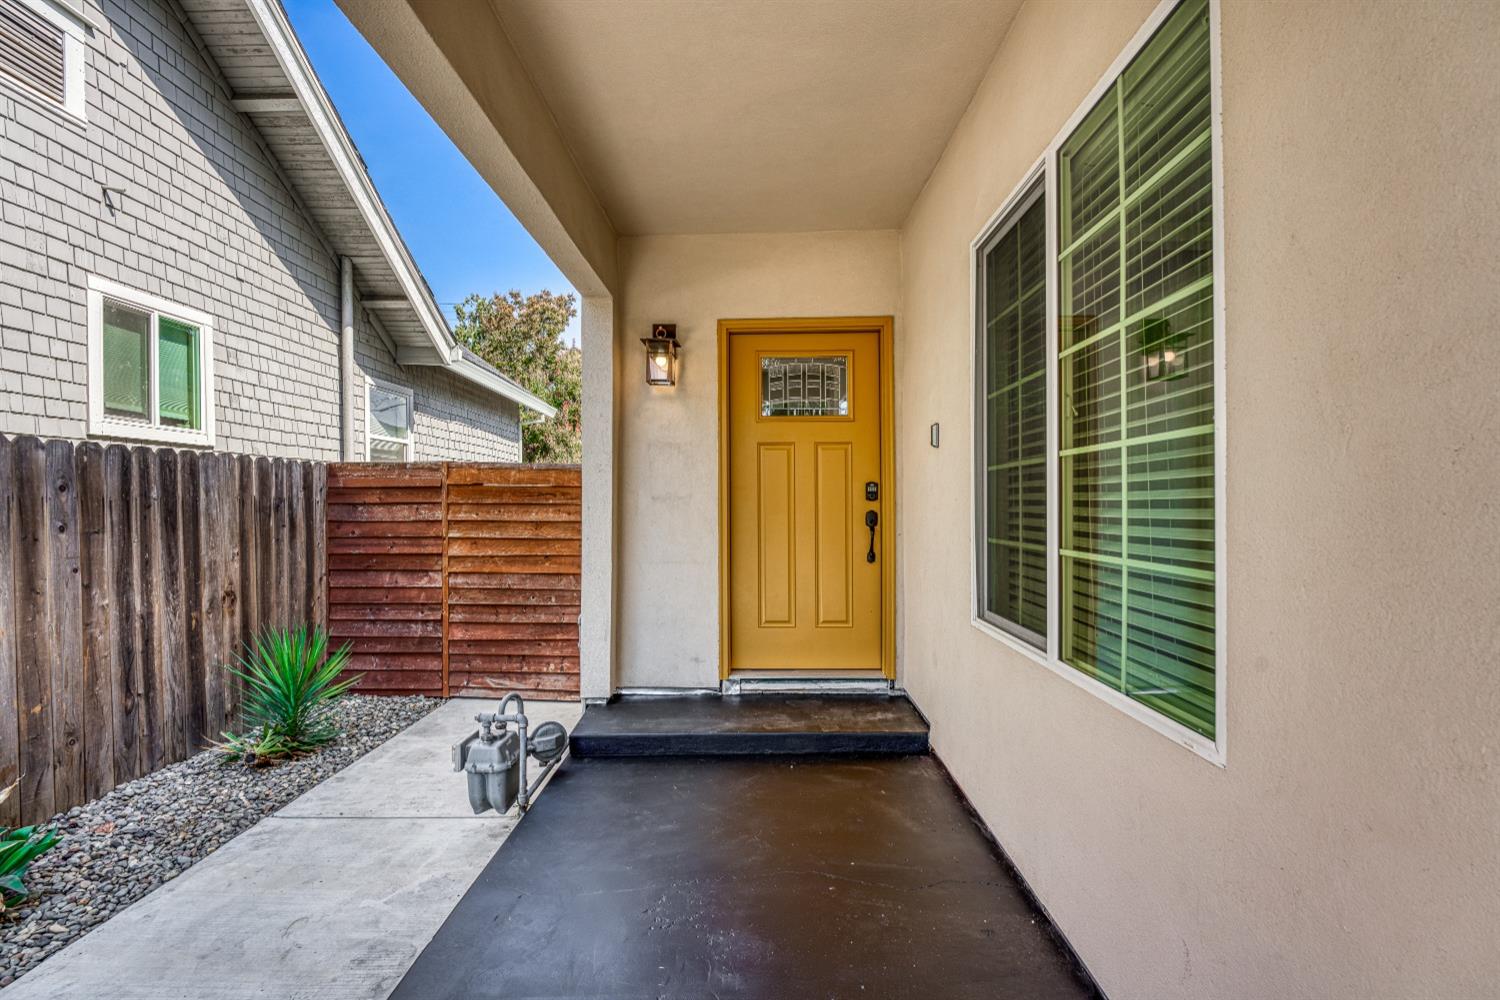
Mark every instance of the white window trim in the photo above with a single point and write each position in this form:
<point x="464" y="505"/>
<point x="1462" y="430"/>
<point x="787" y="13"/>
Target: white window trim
<point x="410" y="441"/>
<point x="73" y="26"/>
<point x="104" y="425"/>
<point x="1215" y="751"/>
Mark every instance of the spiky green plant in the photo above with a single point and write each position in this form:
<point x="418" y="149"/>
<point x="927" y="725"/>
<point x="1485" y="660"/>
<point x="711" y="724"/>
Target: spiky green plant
<point x="257" y="747"/>
<point x="291" y="682"/>
<point x="18" y="849"/>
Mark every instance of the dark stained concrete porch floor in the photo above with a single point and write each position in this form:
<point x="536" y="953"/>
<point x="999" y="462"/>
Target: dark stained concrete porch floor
<point x="751" y="724"/>
<point x="738" y="877"/>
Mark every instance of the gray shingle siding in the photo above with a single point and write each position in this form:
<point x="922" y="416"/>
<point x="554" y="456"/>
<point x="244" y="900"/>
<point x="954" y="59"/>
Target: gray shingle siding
<point x="203" y="219"/>
<point x="454" y="420"/>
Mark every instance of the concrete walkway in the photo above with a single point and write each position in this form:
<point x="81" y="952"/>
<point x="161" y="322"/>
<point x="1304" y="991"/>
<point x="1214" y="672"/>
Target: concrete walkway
<point x="332" y="897"/>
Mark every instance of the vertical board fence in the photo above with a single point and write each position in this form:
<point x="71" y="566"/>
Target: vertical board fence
<point x="128" y="576"/>
<point x="452" y="578"/>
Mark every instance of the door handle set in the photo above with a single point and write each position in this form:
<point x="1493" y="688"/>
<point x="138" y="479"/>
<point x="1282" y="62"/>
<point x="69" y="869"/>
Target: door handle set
<point x="871" y="520"/>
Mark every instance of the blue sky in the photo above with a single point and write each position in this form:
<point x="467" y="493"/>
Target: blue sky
<point x="463" y="237"/>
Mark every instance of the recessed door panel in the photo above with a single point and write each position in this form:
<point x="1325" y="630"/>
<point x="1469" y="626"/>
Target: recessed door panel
<point x="835" y="529"/>
<point x="805" y="584"/>
<point x="777" y="551"/>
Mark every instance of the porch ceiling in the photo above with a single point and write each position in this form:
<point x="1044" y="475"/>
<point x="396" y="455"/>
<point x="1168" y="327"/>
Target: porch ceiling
<point x="751" y="116"/>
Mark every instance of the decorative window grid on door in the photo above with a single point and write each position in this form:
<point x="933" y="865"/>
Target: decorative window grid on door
<point x="804" y="386"/>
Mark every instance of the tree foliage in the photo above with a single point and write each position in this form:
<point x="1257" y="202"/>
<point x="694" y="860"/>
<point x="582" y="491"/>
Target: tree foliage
<point x="522" y="336"/>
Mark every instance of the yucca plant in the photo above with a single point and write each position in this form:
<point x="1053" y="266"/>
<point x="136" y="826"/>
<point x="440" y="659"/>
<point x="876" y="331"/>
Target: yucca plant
<point x="18" y="849"/>
<point x="291" y="681"/>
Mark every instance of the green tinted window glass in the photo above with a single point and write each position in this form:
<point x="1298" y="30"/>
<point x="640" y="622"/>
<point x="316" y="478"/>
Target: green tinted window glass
<point x="1136" y="378"/>
<point x="1013" y="429"/>
<point x="178" y="383"/>
<point x="127" y="360"/>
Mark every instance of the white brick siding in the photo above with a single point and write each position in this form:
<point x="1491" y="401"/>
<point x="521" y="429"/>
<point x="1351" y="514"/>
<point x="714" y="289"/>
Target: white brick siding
<point x="203" y="220"/>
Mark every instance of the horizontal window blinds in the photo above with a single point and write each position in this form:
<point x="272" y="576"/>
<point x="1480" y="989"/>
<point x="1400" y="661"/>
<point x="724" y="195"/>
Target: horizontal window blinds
<point x="127" y="360"/>
<point x="1013" y="558"/>
<point x="177" y="373"/>
<point x="1136" y="372"/>
<point x="31" y="49"/>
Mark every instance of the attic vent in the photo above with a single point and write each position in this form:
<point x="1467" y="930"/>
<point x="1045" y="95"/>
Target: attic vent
<point x="31" y="49"/>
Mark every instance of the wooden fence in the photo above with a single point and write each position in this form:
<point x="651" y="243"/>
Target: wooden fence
<point x="127" y="577"/>
<point x="456" y="578"/>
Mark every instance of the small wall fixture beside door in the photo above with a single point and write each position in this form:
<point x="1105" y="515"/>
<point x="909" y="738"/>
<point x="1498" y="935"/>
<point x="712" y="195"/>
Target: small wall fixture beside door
<point x="661" y="354"/>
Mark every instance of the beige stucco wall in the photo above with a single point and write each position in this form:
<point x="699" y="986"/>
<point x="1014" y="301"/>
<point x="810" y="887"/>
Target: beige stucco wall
<point x="1351" y="847"/>
<point x="668" y="597"/>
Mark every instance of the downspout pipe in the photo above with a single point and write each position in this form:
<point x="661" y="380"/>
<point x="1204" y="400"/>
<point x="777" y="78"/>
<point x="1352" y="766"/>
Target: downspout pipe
<point x="346" y="357"/>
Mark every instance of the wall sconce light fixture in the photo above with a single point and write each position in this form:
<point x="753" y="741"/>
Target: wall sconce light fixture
<point x="1161" y="351"/>
<point x="661" y="354"/>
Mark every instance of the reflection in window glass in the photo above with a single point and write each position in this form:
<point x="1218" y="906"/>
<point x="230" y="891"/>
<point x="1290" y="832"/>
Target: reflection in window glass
<point x="1013" y="486"/>
<point x="177" y="373"/>
<point x="1137" y="381"/>
<point x="391" y="412"/>
<point x="390" y="426"/>
<point x="804" y="386"/>
<point x="127" y="360"/>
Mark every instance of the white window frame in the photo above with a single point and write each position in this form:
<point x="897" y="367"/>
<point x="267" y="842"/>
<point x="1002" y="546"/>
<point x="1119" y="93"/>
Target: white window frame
<point x="106" y="425"/>
<point x="411" y="410"/>
<point x="1215" y="751"/>
<point x="73" y="25"/>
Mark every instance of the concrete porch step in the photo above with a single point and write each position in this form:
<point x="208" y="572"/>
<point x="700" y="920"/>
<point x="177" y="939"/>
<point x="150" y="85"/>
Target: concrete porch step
<point x="750" y="724"/>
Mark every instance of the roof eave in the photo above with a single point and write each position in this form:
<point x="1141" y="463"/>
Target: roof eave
<point x="481" y="374"/>
<point x="299" y="72"/>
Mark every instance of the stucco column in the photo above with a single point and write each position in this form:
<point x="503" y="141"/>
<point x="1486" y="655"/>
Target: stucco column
<point x="596" y="631"/>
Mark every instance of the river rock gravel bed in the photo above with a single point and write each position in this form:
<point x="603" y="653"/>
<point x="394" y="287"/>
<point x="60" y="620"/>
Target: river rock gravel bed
<point x="118" y="848"/>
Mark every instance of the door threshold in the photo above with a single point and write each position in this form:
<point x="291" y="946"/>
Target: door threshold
<point x="807" y="681"/>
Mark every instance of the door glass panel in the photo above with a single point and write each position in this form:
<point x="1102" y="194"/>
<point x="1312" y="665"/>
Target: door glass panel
<point x="127" y="360"/>
<point x="804" y="386"/>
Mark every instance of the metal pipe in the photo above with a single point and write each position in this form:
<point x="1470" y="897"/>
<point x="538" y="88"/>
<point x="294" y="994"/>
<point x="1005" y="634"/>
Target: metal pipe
<point x="523" y="796"/>
<point x="346" y="357"/>
<point x="536" y="786"/>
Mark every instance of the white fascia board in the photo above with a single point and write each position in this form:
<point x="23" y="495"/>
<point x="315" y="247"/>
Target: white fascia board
<point x="284" y="45"/>
<point x="484" y="375"/>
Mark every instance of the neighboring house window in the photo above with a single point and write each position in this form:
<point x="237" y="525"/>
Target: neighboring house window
<point x="389" y="425"/>
<point x="1133" y="600"/>
<point x="42" y="50"/>
<point x="1011" y="355"/>
<point x="150" y="367"/>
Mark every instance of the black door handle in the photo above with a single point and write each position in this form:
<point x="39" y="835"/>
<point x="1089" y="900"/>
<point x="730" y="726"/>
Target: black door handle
<point x="871" y="519"/>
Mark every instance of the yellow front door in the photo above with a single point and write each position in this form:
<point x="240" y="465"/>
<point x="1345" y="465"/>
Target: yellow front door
<point x="805" y="562"/>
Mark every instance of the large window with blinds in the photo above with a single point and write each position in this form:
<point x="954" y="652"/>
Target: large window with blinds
<point x="1113" y="579"/>
<point x="150" y="365"/>
<point x="1136" y="380"/>
<point x="1011" y="421"/>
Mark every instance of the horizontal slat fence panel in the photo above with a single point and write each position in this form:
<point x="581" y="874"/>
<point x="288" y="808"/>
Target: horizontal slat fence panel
<point x="128" y="577"/>
<point x="514" y="564"/>
<point x="457" y="578"/>
<point x="385" y="574"/>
